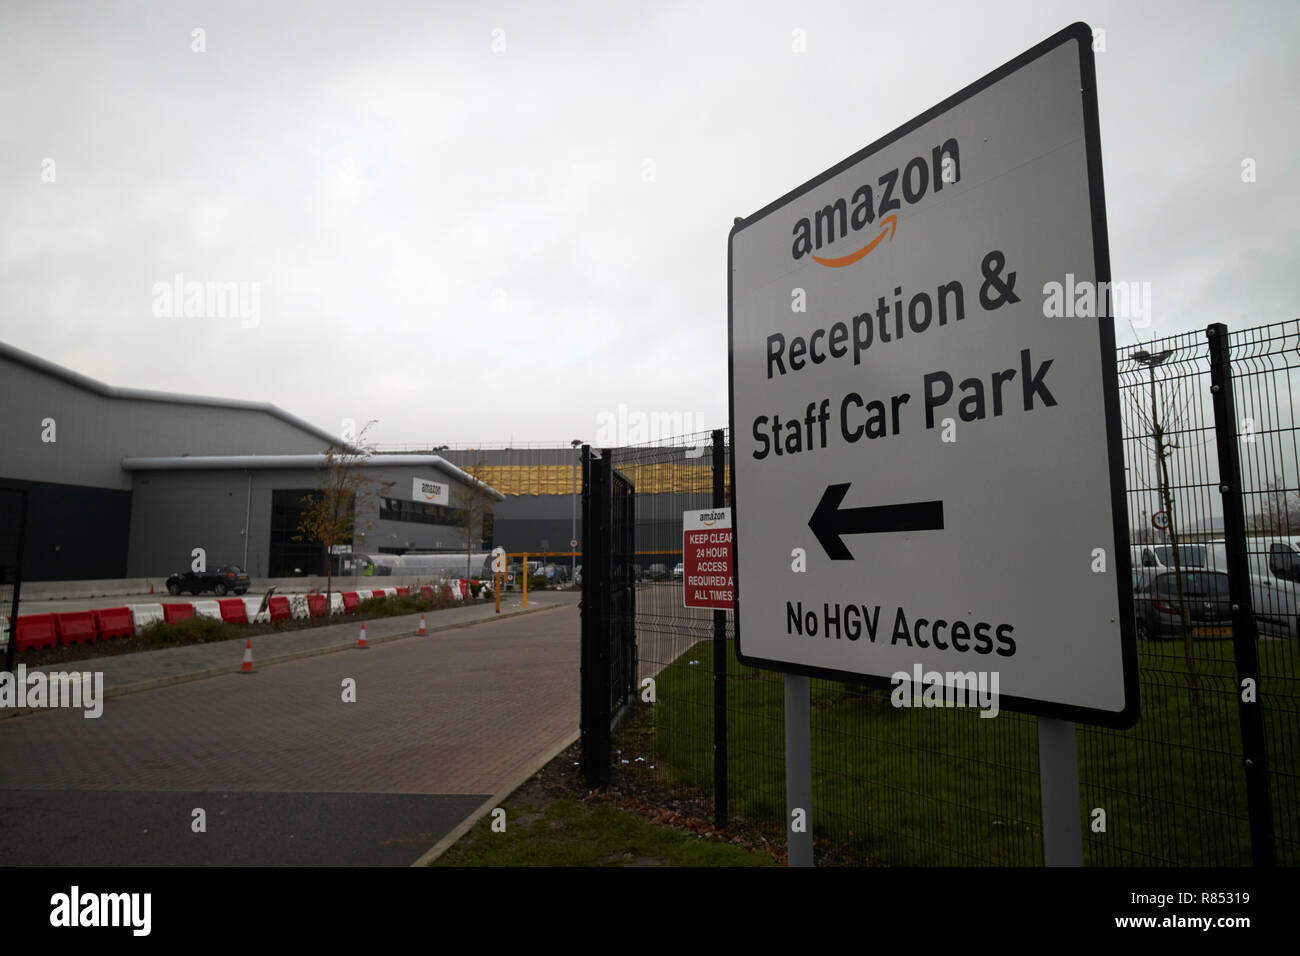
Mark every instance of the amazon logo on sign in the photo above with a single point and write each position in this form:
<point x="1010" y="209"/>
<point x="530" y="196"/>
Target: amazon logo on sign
<point x="835" y="221"/>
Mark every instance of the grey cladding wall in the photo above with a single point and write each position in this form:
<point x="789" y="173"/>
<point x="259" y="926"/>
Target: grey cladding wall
<point x="177" y="511"/>
<point x="94" y="433"/>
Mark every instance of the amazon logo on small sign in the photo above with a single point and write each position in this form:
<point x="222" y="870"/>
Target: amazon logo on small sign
<point x="835" y="221"/>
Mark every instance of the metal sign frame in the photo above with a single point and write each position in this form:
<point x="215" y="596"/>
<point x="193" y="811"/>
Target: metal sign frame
<point x="1080" y="34"/>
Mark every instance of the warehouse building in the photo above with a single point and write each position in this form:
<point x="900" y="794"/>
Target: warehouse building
<point x="542" y="510"/>
<point x="127" y="483"/>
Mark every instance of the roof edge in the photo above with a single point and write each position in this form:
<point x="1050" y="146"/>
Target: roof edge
<point x="46" y="367"/>
<point x="218" y="462"/>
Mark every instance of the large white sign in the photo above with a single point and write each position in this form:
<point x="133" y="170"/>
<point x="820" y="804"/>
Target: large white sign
<point x="430" y="492"/>
<point x="927" y="467"/>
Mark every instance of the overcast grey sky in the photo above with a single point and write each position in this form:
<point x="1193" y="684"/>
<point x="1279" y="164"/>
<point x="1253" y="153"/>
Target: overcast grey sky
<point x="476" y="244"/>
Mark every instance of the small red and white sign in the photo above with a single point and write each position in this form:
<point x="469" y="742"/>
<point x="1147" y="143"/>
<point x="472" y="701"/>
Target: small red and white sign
<point x="1161" y="520"/>
<point x="708" y="571"/>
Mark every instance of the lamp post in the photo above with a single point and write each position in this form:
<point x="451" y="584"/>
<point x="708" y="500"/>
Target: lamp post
<point x="1144" y="357"/>
<point x="573" y="528"/>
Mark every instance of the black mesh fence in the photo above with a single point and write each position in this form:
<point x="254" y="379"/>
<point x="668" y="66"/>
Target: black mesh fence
<point x="674" y="642"/>
<point x="1266" y="385"/>
<point x="1170" y="789"/>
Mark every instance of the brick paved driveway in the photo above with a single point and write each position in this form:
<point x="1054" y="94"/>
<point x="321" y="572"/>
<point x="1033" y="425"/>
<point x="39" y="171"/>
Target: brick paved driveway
<point x="456" y="713"/>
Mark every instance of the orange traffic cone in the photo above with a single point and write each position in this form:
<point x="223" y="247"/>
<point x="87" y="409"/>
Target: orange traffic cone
<point x="361" y="641"/>
<point x="247" y="666"/>
<point x="422" y="630"/>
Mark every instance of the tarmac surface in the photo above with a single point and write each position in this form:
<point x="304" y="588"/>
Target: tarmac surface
<point x="128" y="672"/>
<point x="286" y="771"/>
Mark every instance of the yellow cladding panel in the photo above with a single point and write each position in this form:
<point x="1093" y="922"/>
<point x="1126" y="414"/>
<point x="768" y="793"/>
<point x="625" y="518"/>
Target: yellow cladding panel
<point x="649" y="479"/>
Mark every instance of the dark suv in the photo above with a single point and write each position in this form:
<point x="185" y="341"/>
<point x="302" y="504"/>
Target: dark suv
<point x="1209" y="607"/>
<point x="219" y="580"/>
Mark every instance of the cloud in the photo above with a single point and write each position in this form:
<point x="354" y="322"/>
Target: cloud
<point x="478" y="245"/>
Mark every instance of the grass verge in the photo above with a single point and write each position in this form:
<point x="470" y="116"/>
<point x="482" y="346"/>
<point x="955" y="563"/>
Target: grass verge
<point x="553" y="820"/>
<point x="946" y="787"/>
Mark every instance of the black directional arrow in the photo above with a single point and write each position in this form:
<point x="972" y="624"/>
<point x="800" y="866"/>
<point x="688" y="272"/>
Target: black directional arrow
<point x="828" y="522"/>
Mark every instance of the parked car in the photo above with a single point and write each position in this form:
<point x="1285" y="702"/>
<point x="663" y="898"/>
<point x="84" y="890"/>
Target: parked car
<point x="1205" y="594"/>
<point x="220" y="580"/>
<point x="679" y="570"/>
<point x="657" y="572"/>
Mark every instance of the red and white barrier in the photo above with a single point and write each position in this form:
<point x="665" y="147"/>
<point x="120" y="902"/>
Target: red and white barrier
<point x="45" y="630"/>
<point x="208" y="609"/>
<point x="251" y="604"/>
<point x="142" y="615"/>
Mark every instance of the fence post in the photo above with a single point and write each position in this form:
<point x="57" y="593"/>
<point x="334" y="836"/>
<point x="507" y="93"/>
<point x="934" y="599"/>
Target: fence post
<point x="602" y="709"/>
<point x="594" y="721"/>
<point x="1245" y="634"/>
<point x="719" y="659"/>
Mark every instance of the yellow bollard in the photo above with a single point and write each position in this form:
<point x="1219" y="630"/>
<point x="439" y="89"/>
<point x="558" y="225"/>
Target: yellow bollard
<point x="498" y="590"/>
<point x="525" y="579"/>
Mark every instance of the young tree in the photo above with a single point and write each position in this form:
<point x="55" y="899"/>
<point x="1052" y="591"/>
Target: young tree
<point x="1280" y="511"/>
<point x="476" y="504"/>
<point x="1163" y="415"/>
<point x="330" y="512"/>
<point x="1143" y="534"/>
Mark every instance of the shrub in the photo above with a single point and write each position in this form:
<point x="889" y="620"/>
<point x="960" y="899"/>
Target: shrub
<point x="395" y="606"/>
<point x="194" y="630"/>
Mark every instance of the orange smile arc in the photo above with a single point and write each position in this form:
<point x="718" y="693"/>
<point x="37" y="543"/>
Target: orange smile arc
<point x="891" y="222"/>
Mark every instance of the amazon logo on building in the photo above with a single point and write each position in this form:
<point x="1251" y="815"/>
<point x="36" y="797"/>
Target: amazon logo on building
<point x="835" y="221"/>
<point x="430" y="492"/>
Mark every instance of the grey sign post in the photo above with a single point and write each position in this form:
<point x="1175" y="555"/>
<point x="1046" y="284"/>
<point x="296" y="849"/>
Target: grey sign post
<point x="912" y="405"/>
<point x="1058" y="773"/>
<point x="798" y="771"/>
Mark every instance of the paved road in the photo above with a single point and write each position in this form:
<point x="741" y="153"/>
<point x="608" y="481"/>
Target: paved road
<point x="167" y="665"/>
<point x="154" y="828"/>
<point x="445" y="720"/>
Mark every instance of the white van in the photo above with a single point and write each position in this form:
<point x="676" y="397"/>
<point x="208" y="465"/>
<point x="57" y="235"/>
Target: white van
<point x="1274" y="580"/>
<point x="1161" y="556"/>
<point x="1269" y="557"/>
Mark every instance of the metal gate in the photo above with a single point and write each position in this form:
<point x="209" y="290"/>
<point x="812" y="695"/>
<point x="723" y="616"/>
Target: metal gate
<point x="609" y="660"/>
